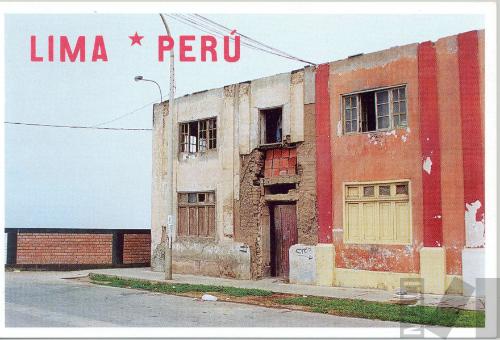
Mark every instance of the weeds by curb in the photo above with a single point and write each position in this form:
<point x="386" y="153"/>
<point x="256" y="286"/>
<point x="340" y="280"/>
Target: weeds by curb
<point x="425" y="315"/>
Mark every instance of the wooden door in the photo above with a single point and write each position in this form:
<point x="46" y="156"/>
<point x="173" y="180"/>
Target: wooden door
<point x="285" y="235"/>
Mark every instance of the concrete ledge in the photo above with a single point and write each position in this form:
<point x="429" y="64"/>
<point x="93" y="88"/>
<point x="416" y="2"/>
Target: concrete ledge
<point x="472" y="270"/>
<point x="206" y="257"/>
<point x="370" y="279"/>
<point x="325" y="264"/>
<point x="433" y="269"/>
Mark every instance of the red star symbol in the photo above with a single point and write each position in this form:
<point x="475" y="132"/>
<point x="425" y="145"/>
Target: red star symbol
<point x="136" y="39"/>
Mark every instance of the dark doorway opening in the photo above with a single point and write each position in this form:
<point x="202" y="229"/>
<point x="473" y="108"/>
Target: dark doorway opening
<point x="283" y="218"/>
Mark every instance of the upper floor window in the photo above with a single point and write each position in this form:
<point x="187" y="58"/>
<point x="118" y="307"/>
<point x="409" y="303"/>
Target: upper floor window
<point x="375" y="110"/>
<point x="198" y="135"/>
<point x="271" y="131"/>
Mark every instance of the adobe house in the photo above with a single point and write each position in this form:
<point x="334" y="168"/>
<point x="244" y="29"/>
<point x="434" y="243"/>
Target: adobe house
<point x="357" y="173"/>
<point x="244" y="174"/>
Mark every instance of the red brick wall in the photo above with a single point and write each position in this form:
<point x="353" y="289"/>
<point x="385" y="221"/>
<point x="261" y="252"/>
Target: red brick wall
<point x="280" y="162"/>
<point x="64" y="248"/>
<point x="136" y="248"/>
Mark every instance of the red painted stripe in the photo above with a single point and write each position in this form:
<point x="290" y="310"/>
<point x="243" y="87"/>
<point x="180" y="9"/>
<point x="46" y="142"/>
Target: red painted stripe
<point x="429" y="140"/>
<point x="472" y="134"/>
<point x="323" y="155"/>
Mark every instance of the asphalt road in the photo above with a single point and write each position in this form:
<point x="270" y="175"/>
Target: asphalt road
<point x="45" y="299"/>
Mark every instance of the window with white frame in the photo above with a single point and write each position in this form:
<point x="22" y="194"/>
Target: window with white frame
<point x="375" y="110"/>
<point x="198" y="135"/>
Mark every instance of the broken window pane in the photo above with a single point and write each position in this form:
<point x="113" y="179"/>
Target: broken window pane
<point x="212" y="133"/>
<point x="198" y="136"/>
<point x="201" y="198"/>
<point x="202" y="143"/>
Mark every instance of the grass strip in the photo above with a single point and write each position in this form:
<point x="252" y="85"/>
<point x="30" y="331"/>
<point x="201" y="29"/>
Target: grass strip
<point x="175" y="288"/>
<point x="425" y="315"/>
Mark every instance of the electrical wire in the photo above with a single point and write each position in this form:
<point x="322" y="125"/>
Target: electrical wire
<point x="198" y="22"/>
<point x="219" y="34"/>
<point x="211" y="30"/>
<point x="209" y="26"/>
<point x="77" y="126"/>
<point x="124" y="115"/>
<point x="250" y="38"/>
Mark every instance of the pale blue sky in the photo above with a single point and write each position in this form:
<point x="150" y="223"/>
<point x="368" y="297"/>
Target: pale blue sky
<point x="101" y="179"/>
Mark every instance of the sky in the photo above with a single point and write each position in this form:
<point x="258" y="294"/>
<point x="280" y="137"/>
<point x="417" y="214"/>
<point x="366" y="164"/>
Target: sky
<point x="102" y="179"/>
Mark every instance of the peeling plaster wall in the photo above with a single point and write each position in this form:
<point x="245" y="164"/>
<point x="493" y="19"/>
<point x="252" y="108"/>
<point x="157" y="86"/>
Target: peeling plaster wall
<point x="396" y="154"/>
<point x="471" y="75"/>
<point x="452" y="176"/>
<point x="207" y="257"/>
<point x="158" y="199"/>
<point x="238" y="129"/>
<point x="379" y="156"/>
<point x="307" y="216"/>
<point x="251" y="210"/>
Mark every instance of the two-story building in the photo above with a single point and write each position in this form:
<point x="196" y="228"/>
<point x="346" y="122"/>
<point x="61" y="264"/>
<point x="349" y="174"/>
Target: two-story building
<point x="358" y="172"/>
<point x="244" y="174"/>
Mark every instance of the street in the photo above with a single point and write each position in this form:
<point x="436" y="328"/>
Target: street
<point x="46" y="299"/>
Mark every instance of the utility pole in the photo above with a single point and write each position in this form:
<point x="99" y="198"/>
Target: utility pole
<point x="170" y="181"/>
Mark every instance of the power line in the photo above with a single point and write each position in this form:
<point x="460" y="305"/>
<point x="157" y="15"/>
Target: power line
<point x="220" y="34"/>
<point x="77" y="127"/>
<point x="96" y="126"/>
<point x="124" y="115"/>
<point x="209" y="26"/>
<point x="195" y="23"/>
<point x="245" y="37"/>
<point x="251" y="39"/>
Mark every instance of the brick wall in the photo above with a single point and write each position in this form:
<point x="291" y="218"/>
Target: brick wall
<point x="280" y="162"/>
<point x="136" y="248"/>
<point x="59" y="248"/>
<point x="77" y="248"/>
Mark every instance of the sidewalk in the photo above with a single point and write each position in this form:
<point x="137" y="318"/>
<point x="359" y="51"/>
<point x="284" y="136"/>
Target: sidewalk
<point x="273" y="284"/>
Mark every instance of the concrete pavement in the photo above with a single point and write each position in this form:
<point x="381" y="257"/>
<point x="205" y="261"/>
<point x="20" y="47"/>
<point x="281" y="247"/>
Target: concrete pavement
<point x="456" y="301"/>
<point x="46" y="299"/>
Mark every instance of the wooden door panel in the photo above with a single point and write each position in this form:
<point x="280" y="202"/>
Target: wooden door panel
<point x="285" y="222"/>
